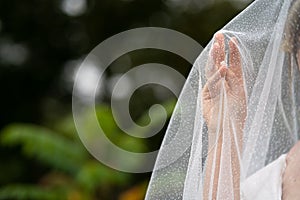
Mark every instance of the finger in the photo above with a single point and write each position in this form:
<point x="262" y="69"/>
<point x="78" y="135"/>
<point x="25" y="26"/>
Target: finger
<point x="220" y="39"/>
<point x="221" y="51"/>
<point x="211" y="67"/>
<point x="235" y="83"/>
<point x="218" y="75"/>
<point x="231" y="78"/>
<point x="213" y="83"/>
<point x="216" y="49"/>
<point x="235" y="57"/>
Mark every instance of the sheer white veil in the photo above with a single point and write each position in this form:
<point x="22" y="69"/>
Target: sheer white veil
<point x="263" y="35"/>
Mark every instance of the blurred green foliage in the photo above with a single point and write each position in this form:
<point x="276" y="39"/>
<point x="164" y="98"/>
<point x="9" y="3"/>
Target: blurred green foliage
<point x="72" y="171"/>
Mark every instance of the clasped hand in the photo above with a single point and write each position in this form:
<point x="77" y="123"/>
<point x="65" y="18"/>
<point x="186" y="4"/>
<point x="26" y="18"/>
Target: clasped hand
<point x="223" y="95"/>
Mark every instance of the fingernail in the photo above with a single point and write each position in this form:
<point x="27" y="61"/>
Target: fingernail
<point x="219" y="34"/>
<point x="223" y="63"/>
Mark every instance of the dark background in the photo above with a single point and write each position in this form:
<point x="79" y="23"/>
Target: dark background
<point x="40" y="43"/>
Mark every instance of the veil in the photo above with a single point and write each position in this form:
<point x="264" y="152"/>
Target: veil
<point x="231" y="121"/>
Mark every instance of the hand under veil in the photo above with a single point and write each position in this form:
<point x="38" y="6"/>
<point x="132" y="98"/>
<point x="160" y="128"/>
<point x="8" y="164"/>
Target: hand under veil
<point x="238" y="111"/>
<point x="224" y="109"/>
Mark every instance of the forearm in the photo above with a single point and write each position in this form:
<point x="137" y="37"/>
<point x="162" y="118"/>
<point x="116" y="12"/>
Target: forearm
<point x="212" y="169"/>
<point x="230" y="169"/>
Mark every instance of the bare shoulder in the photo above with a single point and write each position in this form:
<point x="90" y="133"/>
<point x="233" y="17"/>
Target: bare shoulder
<point x="294" y="154"/>
<point x="291" y="176"/>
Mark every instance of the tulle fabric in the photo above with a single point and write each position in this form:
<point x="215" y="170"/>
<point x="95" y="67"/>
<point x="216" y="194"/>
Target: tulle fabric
<point x="271" y="84"/>
<point x="266" y="183"/>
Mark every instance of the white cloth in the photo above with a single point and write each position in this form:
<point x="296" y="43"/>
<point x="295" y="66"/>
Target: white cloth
<point x="232" y="120"/>
<point x="265" y="184"/>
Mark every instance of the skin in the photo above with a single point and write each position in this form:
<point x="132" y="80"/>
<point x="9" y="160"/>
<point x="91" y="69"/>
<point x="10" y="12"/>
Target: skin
<point x="291" y="176"/>
<point x="231" y="79"/>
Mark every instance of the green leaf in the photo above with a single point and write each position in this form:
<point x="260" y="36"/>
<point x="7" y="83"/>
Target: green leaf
<point x="93" y="174"/>
<point x="31" y="192"/>
<point x="46" y="146"/>
<point x="66" y="126"/>
<point x="144" y="119"/>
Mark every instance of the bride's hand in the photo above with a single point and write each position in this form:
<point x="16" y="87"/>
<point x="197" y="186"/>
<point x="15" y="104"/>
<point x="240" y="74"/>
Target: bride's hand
<point x="232" y="102"/>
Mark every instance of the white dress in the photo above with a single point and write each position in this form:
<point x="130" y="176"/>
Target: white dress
<point x="265" y="184"/>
